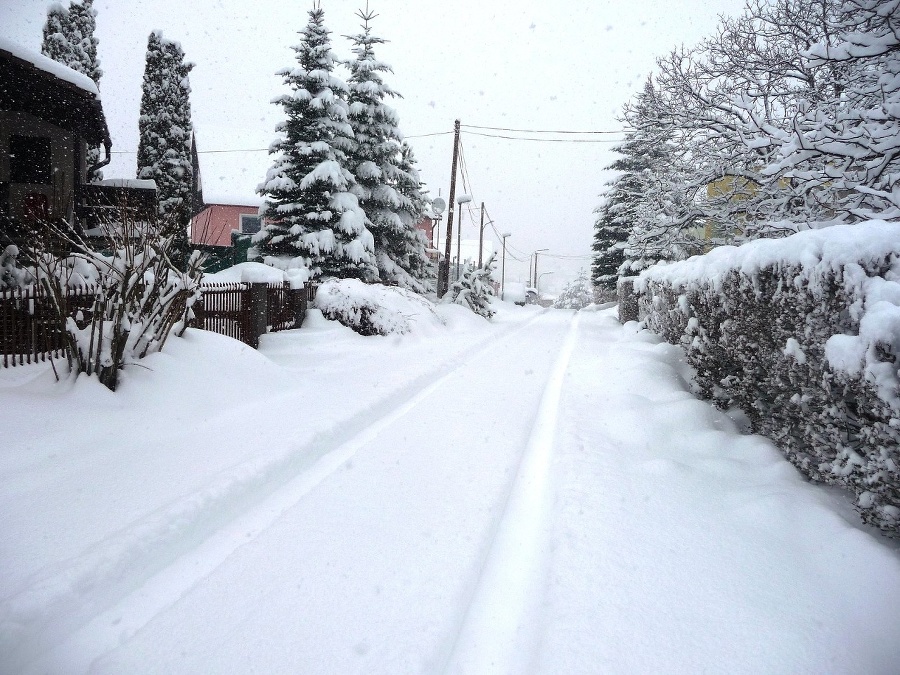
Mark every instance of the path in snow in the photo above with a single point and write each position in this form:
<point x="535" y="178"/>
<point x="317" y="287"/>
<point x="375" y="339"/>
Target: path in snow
<point x="551" y="500"/>
<point x="396" y="524"/>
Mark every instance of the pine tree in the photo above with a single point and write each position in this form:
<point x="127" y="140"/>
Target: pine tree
<point x="57" y="43"/>
<point x="646" y="198"/>
<point x="577" y="294"/>
<point x="388" y="185"/>
<point x="474" y="289"/>
<point x="69" y="39"/>
<point x="313" y="218"/>
<point x="83" y="21"/>
<point x="164" y="147"/>
<point x="412" y="255"/>
<point x="611" y="232"/>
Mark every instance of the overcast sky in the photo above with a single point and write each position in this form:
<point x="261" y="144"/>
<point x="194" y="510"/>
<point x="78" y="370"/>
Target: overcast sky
<point x="518" y="64"/>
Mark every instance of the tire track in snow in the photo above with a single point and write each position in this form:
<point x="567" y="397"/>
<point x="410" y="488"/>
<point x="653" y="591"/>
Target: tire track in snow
<point x="499" y="632"/>
<point x="211" y="525"/>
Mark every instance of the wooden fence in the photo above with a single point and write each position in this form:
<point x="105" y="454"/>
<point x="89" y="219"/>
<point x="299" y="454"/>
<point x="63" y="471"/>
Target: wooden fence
<point x="29" y="331"/>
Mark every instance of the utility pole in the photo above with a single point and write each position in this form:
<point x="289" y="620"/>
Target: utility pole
<point x="503" y="265"/>
<point x="481" y="235"/>
<point x="444" y="273"/>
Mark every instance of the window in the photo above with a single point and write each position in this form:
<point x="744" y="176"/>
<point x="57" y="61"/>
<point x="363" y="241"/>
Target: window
<point x="29" y="160"/>
<point x="250" y="224"/>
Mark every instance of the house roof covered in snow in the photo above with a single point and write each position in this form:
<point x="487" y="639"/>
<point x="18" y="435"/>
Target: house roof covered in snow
<point x="35" y="84"/>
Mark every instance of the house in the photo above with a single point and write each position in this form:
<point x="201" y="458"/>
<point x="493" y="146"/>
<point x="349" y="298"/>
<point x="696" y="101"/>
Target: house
<point x="220" y="216"/>
<point x="49" y="116"/>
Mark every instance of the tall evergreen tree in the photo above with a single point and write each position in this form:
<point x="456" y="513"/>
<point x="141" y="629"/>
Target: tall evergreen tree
<point x="164" y="147"/>
<point x="647" y="200"/>
<point x="388" y="186"/>
<point x="611" y="231"/>
<point x="83" y="21"/>
<point x="413" y="256"/>
<point x="58" y="44"/>
<point x="69" y="39"/>
<point x="313" y="218"/>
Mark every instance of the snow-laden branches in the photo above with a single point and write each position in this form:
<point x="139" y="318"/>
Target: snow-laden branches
<point x="785" y="119"/>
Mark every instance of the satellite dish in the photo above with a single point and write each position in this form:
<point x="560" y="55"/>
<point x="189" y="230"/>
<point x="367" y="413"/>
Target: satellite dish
<point x="438" y="205"/>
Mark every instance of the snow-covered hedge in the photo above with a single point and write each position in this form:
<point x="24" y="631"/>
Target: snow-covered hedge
<point x="373" y="309"/>
<point x="803" y="335"/>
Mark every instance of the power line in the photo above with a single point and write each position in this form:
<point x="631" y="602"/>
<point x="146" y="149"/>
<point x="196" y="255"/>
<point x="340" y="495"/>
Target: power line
<point x="544" y="131"/>
<point x="548" y="140"/>
<point x="436" y="133"/>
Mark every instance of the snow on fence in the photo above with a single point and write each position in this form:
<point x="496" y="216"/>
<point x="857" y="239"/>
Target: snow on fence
<point x="29" y="331"/>
<point x="803" y="335"/>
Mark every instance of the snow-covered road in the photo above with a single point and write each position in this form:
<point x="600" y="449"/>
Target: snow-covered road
<point x="542" y="496"/>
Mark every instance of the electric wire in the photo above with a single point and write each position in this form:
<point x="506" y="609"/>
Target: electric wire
<point x="547" y="140"/>
<point x="544" y="131"/>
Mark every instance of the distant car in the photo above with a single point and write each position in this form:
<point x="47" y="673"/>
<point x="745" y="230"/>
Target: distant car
<point x="531" y="297"/>
<point x="514" y="291"/>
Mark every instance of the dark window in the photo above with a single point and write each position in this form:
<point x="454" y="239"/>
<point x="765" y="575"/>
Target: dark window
<point x="29" y="160"/>
<point x="250" y="224"/>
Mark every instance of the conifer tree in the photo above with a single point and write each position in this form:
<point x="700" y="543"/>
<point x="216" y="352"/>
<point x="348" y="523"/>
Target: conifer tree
<point x="69" y="39"/>
<point x="576" y="295"/>
<point x="164" y="147"/>
<point x="313" y="218"/>
<point x="474" y="288"/>
<point x="411" y="254"/>
<point x="646" y="198"/>
<point x="57" y="43"/>
<point x="388" y="185"/>
<point x="83" y="21"/>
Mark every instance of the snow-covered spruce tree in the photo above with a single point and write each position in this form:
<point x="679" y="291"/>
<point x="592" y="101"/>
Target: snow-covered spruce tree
<point x="69" y="39"/>
<point x="655" y="203"/>
<point x="313" y="219"/>
<point x="388" y="186"/>
<point x="164" y="147"/>
<point x="577" y="294"/>
<point x="474" y="289"/>
<point x="413" y="257"/>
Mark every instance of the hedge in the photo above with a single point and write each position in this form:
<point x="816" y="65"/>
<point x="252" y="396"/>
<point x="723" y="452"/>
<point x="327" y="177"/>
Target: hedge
<point x="803" y="335"/>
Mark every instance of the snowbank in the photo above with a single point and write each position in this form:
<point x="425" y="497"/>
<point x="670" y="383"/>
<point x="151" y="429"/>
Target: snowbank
<point x="373" y="309"/>
<point x="258" y="273"/>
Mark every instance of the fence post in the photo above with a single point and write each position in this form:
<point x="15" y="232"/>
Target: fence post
<point x="298" y="304"/>
<point x="258" y="317"/>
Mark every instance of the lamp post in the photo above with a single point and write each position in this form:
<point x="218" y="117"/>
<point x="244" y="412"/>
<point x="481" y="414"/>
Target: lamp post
<point x="503" y="264"/>
<point x="481" y="235"/>
<point x="462" y="199"/>
<point x="535" y="255"/>
<point x="537" y="286"/>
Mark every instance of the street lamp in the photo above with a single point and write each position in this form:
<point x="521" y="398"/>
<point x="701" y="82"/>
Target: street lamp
<point x="537" y="286"/>
<point x="503" y="264"/>
<point x="462" y="199"/>
<point x="535" y="255"/>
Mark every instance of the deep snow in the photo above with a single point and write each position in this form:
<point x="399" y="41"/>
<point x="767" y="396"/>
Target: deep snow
<point x="539" y="493"/>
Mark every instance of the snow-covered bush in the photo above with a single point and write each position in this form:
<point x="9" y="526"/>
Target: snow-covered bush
<point x="576" y="295"/>
<point x="474" y="289"/>
<point x="373" y="309"/>
<point x="140" y="297"/>
<point x="11" y="275"/>
<point x="803" y="335"/>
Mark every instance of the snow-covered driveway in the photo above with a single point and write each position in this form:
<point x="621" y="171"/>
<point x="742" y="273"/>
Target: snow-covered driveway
<point x="540" y="496"/>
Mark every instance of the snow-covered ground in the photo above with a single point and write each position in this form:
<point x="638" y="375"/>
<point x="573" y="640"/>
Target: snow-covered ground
<point x="536" y="494"/>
